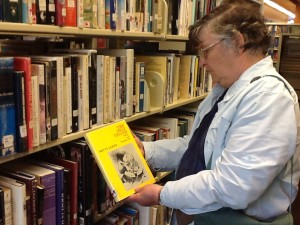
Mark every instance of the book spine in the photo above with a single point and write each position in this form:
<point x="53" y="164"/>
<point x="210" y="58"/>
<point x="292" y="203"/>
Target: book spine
<point x="68" y="94"/>
<point x="100" y="74"/>
<point x="123" y="65"/>
<point x="142" y="86"/>
<point x="42" y="102"/>
<point x="60" y="12"/>
<point x="2" y="209"/>
<point x="129" y="81"/>
<point x="50" y="12"/>
<point x="53" y="104"/>
<point x="41" y="12"/>
<point x="49" y="211"/>
<point x="80" y="18"/>
<point x="35" y="109"/>
<point x="7" y="107"/>
<point x="75" y="94"/>
<point x="40" y="203"/>
<point x="93" y="92"/>
<point x="21" y="132"/>
<point x="7" y="205"/>
<point x="61" y="124"/>
<point x="71" y="18"/>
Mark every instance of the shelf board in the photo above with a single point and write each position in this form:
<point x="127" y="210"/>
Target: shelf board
<point x="51" y="30"/>
<point x="40" y="30"/>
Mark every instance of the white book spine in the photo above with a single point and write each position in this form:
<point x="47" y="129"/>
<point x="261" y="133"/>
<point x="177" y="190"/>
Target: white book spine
<point x="129" y="81"/>
<point x="68" y="99"/>
<point x="18" y="197"/>
<point x="80" y="100"/>
<point x="61" y="125"/>
<point x="35" y="109"/>
<point x="100" y="74"/>
<point x="85" y="92"/>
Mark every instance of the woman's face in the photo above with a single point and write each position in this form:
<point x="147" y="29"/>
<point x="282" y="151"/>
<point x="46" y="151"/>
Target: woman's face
<point x="217" y="57"/>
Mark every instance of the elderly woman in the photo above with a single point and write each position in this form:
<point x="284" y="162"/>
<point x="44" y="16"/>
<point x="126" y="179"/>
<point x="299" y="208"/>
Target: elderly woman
<point x="240" y="164"/>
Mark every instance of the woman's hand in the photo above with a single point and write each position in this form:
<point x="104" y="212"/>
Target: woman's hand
<point x="147" y="195"/>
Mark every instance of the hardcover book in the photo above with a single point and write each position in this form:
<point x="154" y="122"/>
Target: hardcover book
<point x="119" y="159"/>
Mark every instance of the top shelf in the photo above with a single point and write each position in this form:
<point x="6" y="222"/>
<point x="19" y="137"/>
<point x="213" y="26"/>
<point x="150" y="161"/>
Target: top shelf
<point x="51" y="30"/>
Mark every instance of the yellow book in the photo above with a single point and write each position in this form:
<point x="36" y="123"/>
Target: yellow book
<point x="119" y="159"/>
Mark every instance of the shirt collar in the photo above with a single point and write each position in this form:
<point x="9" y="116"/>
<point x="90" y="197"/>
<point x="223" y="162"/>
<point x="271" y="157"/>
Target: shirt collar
<point x="262" y="67"/>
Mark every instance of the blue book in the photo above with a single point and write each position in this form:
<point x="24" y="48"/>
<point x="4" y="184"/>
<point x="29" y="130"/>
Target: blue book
<point x="7" y="107"/>
<point x="112" y="16"/>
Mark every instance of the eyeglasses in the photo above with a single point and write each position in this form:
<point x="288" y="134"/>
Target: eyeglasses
<point x="202" y="52"/>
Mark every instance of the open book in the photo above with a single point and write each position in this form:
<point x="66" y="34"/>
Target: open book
<point x="119" y="159"/>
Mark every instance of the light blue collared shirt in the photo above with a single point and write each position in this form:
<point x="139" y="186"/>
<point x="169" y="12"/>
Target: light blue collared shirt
<point x="250" y="143"/>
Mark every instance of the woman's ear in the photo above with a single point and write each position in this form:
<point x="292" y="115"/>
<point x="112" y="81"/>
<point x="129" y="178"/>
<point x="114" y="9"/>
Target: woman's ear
<point x="239" y="43"/>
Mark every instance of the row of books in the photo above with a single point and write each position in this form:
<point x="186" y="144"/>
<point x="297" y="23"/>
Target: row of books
<point x="48" y="97"/>
<point x="130" y="15"/>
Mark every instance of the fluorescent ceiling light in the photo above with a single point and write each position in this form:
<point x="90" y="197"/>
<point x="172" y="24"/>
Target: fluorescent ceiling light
<point x="280" y="8"/>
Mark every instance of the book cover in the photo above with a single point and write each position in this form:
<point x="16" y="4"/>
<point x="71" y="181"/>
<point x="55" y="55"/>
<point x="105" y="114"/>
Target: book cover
<point x="119" y="159"/>
<point x="7" y="107"/>
<point x="24" y="64"/>
<point x="18" y="197"/>
<point x="19" y="96"/>
<point x="31" y="186"/>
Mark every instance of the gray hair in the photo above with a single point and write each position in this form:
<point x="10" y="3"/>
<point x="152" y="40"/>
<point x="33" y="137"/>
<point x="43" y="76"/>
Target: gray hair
<point x="232" y="17"/>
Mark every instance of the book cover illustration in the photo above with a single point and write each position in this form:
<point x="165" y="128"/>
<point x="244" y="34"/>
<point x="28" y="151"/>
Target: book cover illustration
<point x="119" y="159"/>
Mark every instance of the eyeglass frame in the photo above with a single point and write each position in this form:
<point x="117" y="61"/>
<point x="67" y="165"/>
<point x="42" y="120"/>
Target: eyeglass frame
<point x="202" y="52"/>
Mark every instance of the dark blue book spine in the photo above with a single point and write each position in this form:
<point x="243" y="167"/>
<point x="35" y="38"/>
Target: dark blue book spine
<point x="21" y="134"/>
<point x="112" y="16"/>
<point x="7" y="107"/>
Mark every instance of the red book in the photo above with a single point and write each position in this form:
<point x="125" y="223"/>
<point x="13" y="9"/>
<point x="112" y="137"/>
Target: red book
<point x="60" y="12"/>
<point x="24" y="64"/>
<point x="71" y="13"/>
